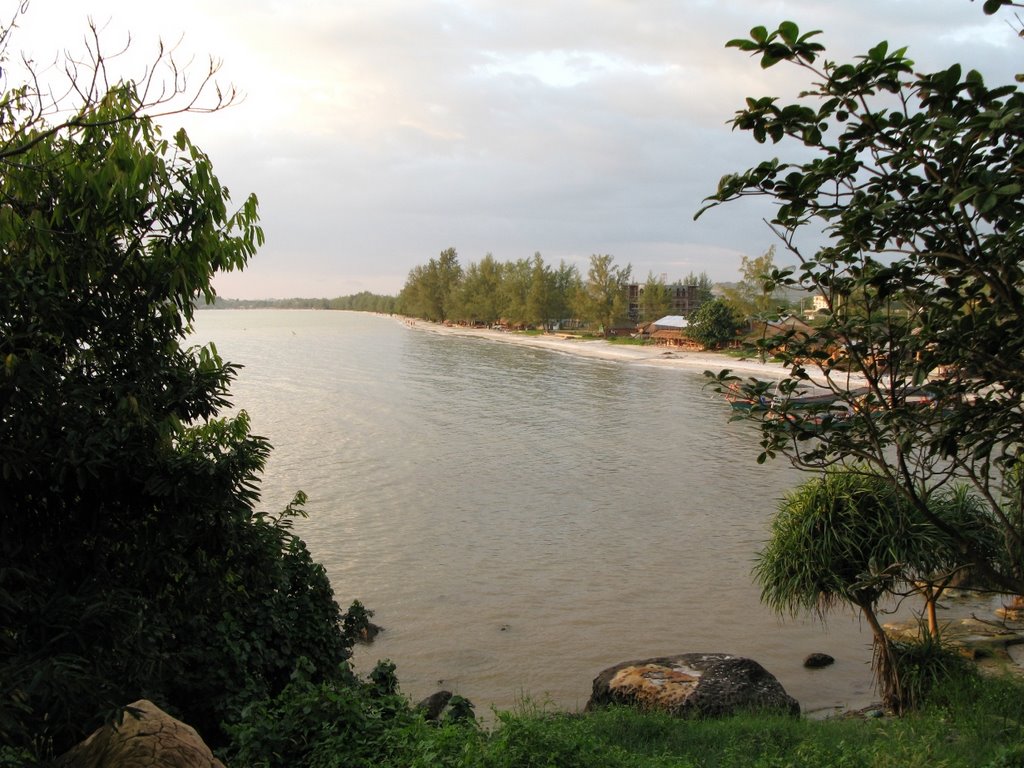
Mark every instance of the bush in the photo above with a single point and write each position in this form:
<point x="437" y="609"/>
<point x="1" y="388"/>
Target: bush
<point x="342" y="723"/>
<point x="132" y="561"/>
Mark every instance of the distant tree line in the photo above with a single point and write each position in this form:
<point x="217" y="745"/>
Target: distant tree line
<point x="531" y="293"/>
<point x="364" y="301"/>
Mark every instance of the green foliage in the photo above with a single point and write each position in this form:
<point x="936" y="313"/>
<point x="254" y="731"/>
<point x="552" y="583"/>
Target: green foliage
<point x="976" y="731"/>
<point x="16" y="758"/>
<point x="540" y="298"/>
<point x="478" y="296"/>
<point x="342" y="723"/>
<point x="514" y="291"/>
<point x="356" y="624"/>
<point x="602" y="302"/>
<point x="521" y="293"/>
<point x="132" y="562"/>
<point x="364" y="301"/>
<point x="926" y="666"/>
<point x="753" y="298"/>
<point x="654" y="299"/>
<point x="430" y="291"/>
<point x="964" y="720"/>
<point x="849" y="537"/>
<point x="915" y="180"/>
<point x="540" y="742"/>
<point x="713" y="324"/>
<point x="703" y="283"/>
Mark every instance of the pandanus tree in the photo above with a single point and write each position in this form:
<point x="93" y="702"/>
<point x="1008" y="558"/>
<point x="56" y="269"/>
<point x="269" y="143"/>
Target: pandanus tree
<point x="850" y="538"/>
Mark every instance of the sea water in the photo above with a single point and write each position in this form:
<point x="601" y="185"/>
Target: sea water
<point x="519" y="519"/>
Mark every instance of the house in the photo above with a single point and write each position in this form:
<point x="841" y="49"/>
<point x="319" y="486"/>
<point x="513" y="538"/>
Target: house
<point x="670" y="331"/>
<point x="784" y="325"/>
<point x="819" y="304"/>
<point x="789" y="326"/>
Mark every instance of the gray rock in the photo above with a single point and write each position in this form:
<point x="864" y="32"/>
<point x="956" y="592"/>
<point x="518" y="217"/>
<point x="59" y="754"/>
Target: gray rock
<point x="432" y="706"/>
<point x="818" y="660"/>
<point x="446" y="707"/>
<point x="692" y="684"/>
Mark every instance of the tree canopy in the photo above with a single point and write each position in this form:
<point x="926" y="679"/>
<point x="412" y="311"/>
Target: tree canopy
<point x="752" y="298"/>
<point x="524" y="292"/>
<point x="914" y="178"/>
<point x="713" y="324"/>
<point x="133" y="561"/>
<point x="602" y="300"/>
<point x="850" y="537"/>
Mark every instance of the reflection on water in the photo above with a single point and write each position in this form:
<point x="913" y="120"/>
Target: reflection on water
<point x="521" y="519"/>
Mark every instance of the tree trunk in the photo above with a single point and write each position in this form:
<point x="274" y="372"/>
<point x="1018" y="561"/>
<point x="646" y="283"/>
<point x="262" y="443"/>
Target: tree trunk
<point x="884" y="662"/>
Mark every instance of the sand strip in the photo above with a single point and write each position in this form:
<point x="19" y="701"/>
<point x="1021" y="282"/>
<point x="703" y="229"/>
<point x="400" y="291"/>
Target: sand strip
<point x="624" y="353"/>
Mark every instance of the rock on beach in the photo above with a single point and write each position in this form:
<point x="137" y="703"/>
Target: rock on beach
<point x="692" y="685"/>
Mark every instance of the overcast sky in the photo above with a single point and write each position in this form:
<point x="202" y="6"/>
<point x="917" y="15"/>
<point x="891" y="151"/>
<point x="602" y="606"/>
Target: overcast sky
<point x="377" y="133"/>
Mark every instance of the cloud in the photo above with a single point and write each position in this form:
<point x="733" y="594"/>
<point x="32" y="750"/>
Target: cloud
<point x="378" y="133"/>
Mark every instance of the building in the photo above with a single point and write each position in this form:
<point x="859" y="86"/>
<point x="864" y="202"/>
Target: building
<point x="683" y="300"/>
<point x="670" y="331"/>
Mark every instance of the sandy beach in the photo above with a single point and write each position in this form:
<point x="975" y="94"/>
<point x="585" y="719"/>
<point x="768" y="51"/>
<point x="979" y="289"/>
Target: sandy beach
<point x="624" y="353"/>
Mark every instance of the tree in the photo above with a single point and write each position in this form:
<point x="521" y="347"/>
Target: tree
<point x="540" y="298"/>
<point x="850" y="537"/>
<point x="437" y="285"/>
<point x="132" y="560"/>
<point x="412" y="299"/>
<point x="516" y="277"/>
<point x="915" y="180"/>
<point x="478" y="294"/>
<point x="654" y="299"/>
<point x="752" y="298"/>
<point x="432" y="291"/>
<point x="703" y="283"/>
<point x="603" y="300"/>
<point x="567" y="285"/>
<point x="33" y="114"/>
<point x="713" y="324"/>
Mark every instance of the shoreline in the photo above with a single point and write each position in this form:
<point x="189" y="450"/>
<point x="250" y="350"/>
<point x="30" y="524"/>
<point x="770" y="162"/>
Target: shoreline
<point x="655" y="356"/>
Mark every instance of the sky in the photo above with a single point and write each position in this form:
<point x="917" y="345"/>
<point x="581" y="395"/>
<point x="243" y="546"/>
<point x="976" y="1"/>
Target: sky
<point x="378" y="133"/>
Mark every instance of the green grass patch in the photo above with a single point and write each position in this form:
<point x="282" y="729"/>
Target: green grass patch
<point x="967" y="722"/>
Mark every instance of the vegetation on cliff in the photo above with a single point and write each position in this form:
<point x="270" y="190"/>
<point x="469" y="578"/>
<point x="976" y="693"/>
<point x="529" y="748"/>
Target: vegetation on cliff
<point x="132" y="560"/>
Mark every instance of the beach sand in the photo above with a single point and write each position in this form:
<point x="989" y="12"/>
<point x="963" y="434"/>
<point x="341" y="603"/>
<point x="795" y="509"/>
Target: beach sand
<point x="624" y="353"/>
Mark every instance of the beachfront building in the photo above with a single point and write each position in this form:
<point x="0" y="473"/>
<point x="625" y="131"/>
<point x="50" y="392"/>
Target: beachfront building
<point x="670" y="331"/>
<point x="683" y="300"/>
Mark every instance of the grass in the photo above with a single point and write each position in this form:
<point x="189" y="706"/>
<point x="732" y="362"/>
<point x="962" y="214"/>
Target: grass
<point x="969" y="722"/>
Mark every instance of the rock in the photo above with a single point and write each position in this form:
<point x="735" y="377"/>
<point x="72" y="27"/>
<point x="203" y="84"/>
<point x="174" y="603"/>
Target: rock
<point x="368" y="633"/>
<point x="1010" y="614"/>
<point x="446" y="707"/>
<point x="146" y="738"/>
<point x="818" y="660"/>
<point x="432" y="706"/>
<point x="692" y="684"/>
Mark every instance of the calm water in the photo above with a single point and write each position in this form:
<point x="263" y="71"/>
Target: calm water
<point x="520" y="519"/>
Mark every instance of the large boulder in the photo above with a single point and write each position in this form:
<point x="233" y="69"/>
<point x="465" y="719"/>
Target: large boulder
<point x="692" y="684"/>
<point x="146" y="738"/>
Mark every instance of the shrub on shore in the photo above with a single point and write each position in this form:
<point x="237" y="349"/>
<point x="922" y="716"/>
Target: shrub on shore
<point x="965" y="720"/>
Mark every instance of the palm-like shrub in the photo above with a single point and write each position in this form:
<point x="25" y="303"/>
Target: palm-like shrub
<point x="850" y="538"/>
